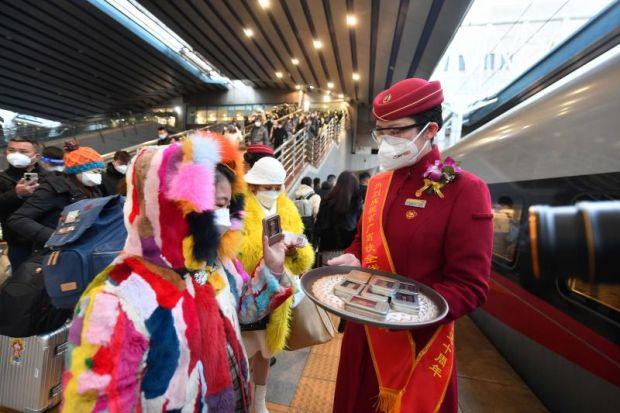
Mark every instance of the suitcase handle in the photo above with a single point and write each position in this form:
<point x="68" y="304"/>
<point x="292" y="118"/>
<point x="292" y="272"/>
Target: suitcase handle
<point x="61" y="348"/>
<point x="55" y="391"/>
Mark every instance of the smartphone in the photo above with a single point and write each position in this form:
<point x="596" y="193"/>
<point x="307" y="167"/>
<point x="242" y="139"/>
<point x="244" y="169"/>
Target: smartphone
<point x="31" y="177"/>
<point x="273" y="229"/>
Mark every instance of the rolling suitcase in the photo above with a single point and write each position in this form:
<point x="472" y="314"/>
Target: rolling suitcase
<point x="31" y="370"/>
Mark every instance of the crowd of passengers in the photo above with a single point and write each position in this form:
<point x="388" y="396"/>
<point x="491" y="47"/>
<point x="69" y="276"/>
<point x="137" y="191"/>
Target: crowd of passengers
<point x="41" y="181"/>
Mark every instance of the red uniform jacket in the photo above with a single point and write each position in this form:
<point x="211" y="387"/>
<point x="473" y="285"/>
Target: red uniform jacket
<point x="446" y="245"/>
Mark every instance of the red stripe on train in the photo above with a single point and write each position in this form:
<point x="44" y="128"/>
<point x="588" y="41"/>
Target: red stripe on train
<point x="553" y="329"/>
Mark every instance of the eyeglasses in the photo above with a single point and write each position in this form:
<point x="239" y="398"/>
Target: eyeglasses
<point x="376" y="133"/>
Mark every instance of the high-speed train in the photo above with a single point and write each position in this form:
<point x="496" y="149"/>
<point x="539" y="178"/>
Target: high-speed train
<point x="558" y="147"/>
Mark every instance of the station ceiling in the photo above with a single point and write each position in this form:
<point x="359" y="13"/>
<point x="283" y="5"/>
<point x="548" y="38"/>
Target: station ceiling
<point x="65" y="59"/>
<point x="392" y="39"/>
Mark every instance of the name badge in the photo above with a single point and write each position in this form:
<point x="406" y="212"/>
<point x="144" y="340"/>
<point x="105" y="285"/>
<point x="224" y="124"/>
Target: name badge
<point x="416" y="203"/>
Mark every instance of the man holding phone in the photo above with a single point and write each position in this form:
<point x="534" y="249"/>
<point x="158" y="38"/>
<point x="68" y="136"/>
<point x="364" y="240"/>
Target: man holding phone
<point x="18" y="182"/>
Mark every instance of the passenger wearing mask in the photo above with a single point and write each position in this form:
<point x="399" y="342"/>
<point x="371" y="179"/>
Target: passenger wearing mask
<point x="159" y="329"/>
<point x="25" y="311"/>
<point x="233" y="134"/>
<point x="279" y="134"/>
<point x="259" y="134"/>
<point x="52" y="159"/>
<point x="115" y="173"/>
<point x="38" y="217"/>
<point x="339" y="213"/>
<point x="22" y="157"/>
<point x="265" y="197"/>
<point x="163" y="136"/>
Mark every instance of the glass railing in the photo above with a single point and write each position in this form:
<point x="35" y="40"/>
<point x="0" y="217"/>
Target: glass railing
<point x="75" y="129"/>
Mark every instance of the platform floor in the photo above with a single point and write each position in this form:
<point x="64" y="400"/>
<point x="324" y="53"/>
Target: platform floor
<point x="304" y="381"/>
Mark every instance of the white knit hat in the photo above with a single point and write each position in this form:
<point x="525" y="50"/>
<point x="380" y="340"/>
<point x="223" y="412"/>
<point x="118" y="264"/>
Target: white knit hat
<point x="266" y="171"/>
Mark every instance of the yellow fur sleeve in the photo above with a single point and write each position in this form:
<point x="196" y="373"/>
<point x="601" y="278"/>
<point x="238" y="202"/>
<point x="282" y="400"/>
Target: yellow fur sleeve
<point x="302" y="262"/>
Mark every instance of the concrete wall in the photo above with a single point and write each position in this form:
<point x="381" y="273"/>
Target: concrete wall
<point x="241" y="94"/>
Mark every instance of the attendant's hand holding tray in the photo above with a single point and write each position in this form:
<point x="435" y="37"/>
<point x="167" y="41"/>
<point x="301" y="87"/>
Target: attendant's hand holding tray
<point x="374" y="297"/>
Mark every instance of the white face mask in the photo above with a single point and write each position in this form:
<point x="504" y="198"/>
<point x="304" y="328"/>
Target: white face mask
<point x="395" y="153"/>
<point x="90" y="179"/>
<point x="121" y="169"/>
<point x="162" y="136"/>
<point x="267" y="198"/>
<point x="222" y="220"/>
<point x="19" y="160"/>
<point x="258" y="123"/>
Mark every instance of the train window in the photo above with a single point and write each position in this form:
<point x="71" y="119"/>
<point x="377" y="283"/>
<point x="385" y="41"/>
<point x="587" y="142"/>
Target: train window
<point x="506" y="218"/>
<point x="604" y="294"/>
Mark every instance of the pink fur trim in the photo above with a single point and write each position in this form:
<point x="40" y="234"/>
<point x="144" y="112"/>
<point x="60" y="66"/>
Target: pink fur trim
<point x="194" y="184"/>
<point x="242" y="272"/>
<point x="89" y="381"/>
<point x="236" y="224"/>
<point x="102" y="319"/>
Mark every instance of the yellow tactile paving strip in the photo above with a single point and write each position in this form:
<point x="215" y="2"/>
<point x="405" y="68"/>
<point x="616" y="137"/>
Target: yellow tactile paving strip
<point x="315" y="392"/>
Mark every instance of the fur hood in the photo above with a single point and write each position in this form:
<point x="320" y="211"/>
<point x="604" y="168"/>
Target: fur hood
<point x="171" y="198"/>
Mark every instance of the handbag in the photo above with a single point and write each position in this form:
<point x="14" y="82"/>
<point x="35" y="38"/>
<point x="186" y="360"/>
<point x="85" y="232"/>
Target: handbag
<point x="310" y="326"/>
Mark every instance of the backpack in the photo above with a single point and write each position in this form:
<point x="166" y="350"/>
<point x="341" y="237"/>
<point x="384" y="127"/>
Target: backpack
<point x="91" y="233"/>
<point x="304" y="206"/>
<point x="305" y="212"/>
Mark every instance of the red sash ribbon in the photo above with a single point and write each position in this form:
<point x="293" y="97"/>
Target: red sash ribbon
<point x="408" y="382"/>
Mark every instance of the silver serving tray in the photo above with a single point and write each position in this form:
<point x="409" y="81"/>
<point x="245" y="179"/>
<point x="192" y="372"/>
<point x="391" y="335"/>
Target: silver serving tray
<point x="309" y="278"/>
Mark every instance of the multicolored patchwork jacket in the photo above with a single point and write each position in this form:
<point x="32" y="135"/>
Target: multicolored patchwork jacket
<point x="147" y="337"/>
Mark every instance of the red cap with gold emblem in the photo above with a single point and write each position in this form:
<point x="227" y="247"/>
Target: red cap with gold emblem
<point x="407" y="98"/>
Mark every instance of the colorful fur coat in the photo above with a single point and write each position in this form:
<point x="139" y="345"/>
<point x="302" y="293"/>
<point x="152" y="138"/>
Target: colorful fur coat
<point x="251" y="253"/>
<point x="159" y="329"/>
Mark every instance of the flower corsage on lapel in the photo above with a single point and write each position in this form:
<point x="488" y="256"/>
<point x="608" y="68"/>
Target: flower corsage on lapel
<point x="438" y="175"/>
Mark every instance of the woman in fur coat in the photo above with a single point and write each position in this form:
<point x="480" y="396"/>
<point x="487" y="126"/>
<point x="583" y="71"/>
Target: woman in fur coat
<point x="158" y="330"/>
<point x="265" y="197"/>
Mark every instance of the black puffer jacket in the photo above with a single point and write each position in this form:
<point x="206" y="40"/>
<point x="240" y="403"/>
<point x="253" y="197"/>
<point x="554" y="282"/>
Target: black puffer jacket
<point x="9" y="201"/>
<point x="110" y="180"/>
<point x="37" y="218"/>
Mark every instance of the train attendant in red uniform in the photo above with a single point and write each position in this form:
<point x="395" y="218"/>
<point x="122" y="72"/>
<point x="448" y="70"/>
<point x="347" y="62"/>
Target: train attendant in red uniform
<point x="428" y="220"/>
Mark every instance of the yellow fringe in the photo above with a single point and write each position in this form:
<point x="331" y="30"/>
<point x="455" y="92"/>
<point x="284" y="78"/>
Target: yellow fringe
<point x="389" y="400"/>
<point x="279" y="327"/>
<point x="230" y="244"/>
<point x="188" y="254"/>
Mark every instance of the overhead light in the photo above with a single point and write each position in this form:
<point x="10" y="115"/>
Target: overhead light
<point x="298" y="87"/>
<point x="264" y="3"/>
<point x="279" y="75"/>
<point x="295" y="61"/>
<point x="317" y="44"/>
<point x="341" y="96"/>
<point x="248" y="32"/>
<point x="326" y="98"/>
<point x="177" y="109"/>
<point x="311" y="87"/>
<point x="330" y="85"/>
<point x="351" y="20"/>
<point x="356" y="77"/>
